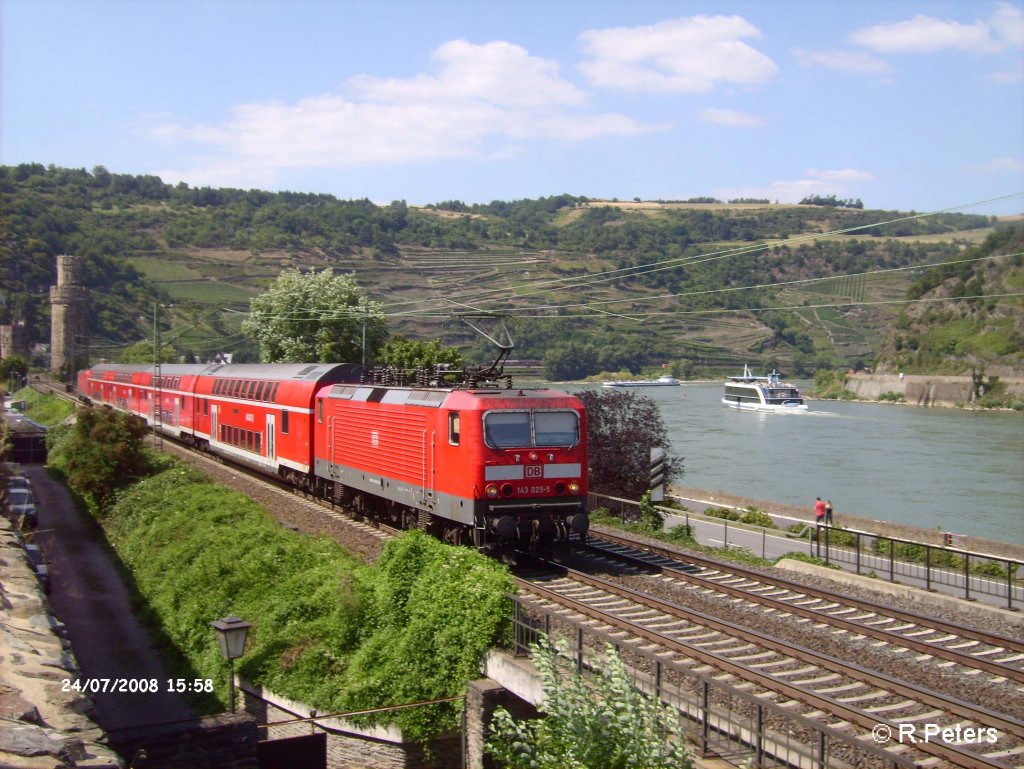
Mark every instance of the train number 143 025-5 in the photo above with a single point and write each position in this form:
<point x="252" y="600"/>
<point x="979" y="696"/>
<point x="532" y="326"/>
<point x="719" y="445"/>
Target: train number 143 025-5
<point x="546" y="489"/>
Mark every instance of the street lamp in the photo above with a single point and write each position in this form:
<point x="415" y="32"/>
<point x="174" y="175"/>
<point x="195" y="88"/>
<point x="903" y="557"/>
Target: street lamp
<point x="231" y="632"/>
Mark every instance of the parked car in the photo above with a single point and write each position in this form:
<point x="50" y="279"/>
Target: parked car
<point x="35" y="558"/>
<point x="22" y="505"/>
<point x="18" y="482"/>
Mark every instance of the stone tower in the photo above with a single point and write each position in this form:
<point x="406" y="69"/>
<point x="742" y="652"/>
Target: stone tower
<point x="69" y="302"/>
<point x="14" y="340"/>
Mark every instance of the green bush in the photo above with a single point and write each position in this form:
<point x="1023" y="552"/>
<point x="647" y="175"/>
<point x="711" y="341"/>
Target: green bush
<point x="794" y="555"/>
<point x="757" y="517"/>
<point x="679" y="535"/>
<point x="596" y="721"/>
<point x="101" y="453"/>
<point x="723" y="512"/>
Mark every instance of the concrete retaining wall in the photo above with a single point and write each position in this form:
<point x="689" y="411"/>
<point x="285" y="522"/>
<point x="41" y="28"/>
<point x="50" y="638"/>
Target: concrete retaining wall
<point x="348" y="745"/>
<point x="924" y="390"/>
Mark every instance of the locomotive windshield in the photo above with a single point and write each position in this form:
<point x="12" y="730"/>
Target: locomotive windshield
<point x="531" y="429"/>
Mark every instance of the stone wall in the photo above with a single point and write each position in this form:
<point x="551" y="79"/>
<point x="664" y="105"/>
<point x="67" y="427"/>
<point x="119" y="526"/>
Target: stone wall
<point x="483" y="697"/>
<point x="227" y="741"/>
<point x="348" y="745"/>
<point x="923" y="390"/>
<point x="41" y="724"/>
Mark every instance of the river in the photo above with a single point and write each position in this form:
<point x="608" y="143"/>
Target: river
<point x="960" y="471"/>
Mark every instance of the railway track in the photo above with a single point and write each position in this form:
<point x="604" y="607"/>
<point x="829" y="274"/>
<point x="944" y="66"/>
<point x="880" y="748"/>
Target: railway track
<point x="933" y="639"/>
<point x="844" y="698"/>
<point x="810" y="684"/>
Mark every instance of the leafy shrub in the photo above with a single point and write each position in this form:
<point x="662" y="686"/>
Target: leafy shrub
<point x="724" y="513"/>
<point x="434" y="612"/>
<point x="599" y="721"/>
<point x="101" y="453"/>
<point x="757" y="517"/>
<point x="650" y="518"/>
<point x="794" y="555"/>
<point x="679" y="535"/>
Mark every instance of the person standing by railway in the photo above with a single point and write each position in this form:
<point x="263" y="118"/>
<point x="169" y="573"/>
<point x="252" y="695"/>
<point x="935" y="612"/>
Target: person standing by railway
<point x="828" y="512"/>
<point x="819" y="511"/>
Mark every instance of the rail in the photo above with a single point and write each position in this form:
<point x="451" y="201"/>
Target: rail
<point x="960" y="572"/>
<point x="719" y="719"/>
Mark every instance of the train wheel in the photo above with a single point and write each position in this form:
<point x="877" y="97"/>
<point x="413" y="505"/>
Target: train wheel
<point x="454" y="534"/>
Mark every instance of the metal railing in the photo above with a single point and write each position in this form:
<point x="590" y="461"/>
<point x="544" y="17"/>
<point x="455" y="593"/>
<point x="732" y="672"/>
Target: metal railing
<point x="953" y="570"/>
<point x="964" y="573"/>
<point x="716" y="718"/>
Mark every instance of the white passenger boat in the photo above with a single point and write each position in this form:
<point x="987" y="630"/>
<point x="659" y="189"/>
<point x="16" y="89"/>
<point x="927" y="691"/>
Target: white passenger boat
<point x="662" y="381"/>
<point x="762" y="393"/>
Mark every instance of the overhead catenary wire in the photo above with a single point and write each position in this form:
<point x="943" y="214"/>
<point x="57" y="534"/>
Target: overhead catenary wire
<point x="441" y="307"/>
<point x="576" y="282"/>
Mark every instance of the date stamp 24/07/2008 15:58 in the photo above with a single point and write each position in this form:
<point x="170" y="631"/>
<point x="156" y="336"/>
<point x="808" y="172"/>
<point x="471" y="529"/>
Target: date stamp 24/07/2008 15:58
<point x="137" y="685"/>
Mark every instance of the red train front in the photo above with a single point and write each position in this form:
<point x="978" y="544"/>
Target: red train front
<point x="476" y="465"/>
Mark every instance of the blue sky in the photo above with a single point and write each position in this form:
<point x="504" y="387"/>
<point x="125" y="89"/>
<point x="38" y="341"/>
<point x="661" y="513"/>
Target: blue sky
<point x="908" y="105"/>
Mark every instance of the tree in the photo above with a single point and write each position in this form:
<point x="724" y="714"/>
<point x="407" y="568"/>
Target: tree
<point x="101" y="453"/>
<point x="316" y="316"/>
<point x="142" y="352"/>
<point x="13" y="371"/>
<point x="404" y="353"/>
<point x="622" y="428"/>
<point x="601" y="723"/>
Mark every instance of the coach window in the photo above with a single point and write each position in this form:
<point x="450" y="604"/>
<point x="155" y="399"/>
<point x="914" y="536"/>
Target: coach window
<point x="454" y="428"/>
<point x="284" y="422"/>
<point x="206" y="407"/>
<point x="259" y="390"/>
<point x="320" y="412"/>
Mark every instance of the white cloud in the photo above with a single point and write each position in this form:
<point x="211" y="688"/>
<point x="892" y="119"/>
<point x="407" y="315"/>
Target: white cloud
<point x="853" y="62"/>
<point x="999" y="165"/>
<point x="730" y="117"/>
<point x="1007" y="77"/>
<point x="692" y="54"/>
<point x="1008" y="23"/>
<point x="816" y="182"/>
<point x="480" y="101"/>
<point x="841" y="175"/>
<point x="926" y="34"/>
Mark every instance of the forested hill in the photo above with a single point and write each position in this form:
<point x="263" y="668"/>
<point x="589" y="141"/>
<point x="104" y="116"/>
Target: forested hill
<point x="969" y="315"/>
<point x="589" y="286"/>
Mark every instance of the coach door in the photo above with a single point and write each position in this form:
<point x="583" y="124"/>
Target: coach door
<point x="214" y="413"/>
<point x="271" y="435"/>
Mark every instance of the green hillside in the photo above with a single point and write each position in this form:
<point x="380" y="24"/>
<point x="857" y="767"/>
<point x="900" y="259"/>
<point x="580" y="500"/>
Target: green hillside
<point x="969" y="315"/>
<point x="589" y="286"/>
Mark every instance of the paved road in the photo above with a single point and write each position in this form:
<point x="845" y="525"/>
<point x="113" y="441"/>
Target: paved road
<point x="766" y="544"/>
<point x="88" y="595"/>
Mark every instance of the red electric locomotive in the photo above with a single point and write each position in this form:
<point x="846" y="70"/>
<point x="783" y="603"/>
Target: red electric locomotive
<point x="474" y="465"/>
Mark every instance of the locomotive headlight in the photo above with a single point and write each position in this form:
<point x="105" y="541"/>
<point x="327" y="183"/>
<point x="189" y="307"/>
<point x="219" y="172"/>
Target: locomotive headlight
<point x="534" y="456"/>
<point x="491" y="490"/>
<point x="574" y="487"/>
